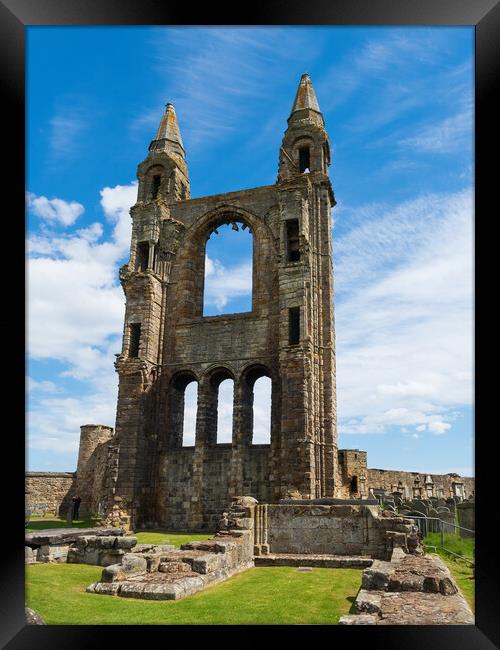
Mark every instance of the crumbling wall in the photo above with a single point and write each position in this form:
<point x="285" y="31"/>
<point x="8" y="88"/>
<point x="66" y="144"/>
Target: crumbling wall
<point x="353" y="474"/>
<point x="415" y="484"/>
<point x="333" y="530"/>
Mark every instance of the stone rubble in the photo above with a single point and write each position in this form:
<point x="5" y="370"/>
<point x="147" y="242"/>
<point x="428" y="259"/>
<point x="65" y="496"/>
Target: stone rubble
<point x="409" y="590"/>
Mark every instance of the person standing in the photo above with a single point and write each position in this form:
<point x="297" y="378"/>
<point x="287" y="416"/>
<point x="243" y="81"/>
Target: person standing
<point x="76" y="506"/>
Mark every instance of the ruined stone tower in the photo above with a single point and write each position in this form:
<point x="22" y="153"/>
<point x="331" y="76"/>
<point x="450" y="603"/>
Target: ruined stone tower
<point x="288" y="335"/>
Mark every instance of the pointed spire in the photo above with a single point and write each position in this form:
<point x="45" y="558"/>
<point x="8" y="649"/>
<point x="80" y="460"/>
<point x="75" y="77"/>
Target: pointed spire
<point x="305" y="97"/>
<point x="168" y="137"/>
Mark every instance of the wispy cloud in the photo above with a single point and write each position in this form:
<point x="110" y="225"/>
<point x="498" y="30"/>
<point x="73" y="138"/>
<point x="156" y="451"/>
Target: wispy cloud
<point x="54" y="210"/>
<point x="404" y="315"/>
<point x="67" y="127"/>
<point x="210" y="74"/>
<point x="449" y="135"/>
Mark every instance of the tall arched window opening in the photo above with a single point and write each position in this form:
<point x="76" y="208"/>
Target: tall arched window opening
<point x="228" y="270"/>
<point x="262" y="411"/>
<point x="183" y="408"/>
<point x="189" y="419"/>
<point x="225" y="411"/>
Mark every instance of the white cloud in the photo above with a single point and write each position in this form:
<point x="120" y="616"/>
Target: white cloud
<point x="404" y="320"/>
<point x="41" y="386"/>
<point x="439" y="427"/>
<point x="225" y="411"/>
<point x="55" y="210"/>
<point x="54" y="424"/>
<point x="262" y="411"/>
<point x="76" y="309"/>
<point x="224" y="284"/>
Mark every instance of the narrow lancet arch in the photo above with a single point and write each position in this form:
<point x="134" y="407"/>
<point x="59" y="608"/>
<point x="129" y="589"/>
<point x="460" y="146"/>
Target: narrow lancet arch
<point x="257" y="405"/>
<point x="183" y="408"/>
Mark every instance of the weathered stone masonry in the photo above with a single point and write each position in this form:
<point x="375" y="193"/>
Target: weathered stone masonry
<point x="288" y="336"/>
<point x="49" y="492"/>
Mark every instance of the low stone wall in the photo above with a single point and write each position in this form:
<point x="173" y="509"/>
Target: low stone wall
<point x="100" y="550"/>
<point x="155" y="572"/>
<point x="354" y="530"/>
<point x="49" y="493"/>
<point x="101" y="546"/>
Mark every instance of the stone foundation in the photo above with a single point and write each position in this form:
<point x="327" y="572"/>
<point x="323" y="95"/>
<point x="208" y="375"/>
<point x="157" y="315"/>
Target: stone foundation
<point x="155" y="572"/>
<point x="319" y="528"/>
<point x="409" y="590"/>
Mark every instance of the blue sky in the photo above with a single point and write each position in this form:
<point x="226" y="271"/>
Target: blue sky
<point x="398" y="106"/>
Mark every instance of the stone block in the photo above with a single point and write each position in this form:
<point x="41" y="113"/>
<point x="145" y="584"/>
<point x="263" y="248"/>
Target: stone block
<point x="108" y="588"/>
<point x="113" y="573"/>
<point x="359" y="619"/>
<point x="52" y="553"/>
<point x="126" y="542"/>
<point x="106" y="558"/>
<point x="131" y="589"/>
<point x="377" y="576"/>
<point x="134" y="563"/>
<point x="367" y="602"/>
<point x="29" y="555"/>
<point x="207" y="563"/>
<point x="105" y="542"/>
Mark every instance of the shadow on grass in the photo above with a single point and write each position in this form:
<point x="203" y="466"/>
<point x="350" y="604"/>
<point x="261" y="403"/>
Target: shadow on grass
<point x="48" y="524"/>
<point x="352" y="600"/>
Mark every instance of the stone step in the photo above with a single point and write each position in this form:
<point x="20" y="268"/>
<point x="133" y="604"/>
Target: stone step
<point x="322" y="561"/>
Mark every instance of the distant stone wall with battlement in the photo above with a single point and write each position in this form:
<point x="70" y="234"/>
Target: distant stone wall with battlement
<point x="49" y="492"/>
<point x="419" y="485"/>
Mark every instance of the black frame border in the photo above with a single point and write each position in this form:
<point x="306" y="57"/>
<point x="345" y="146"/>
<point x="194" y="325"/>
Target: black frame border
<point x="15" y="15"/>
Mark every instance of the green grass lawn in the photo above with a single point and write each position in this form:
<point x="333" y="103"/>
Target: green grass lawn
<point x="462" y="573"/>
<point x="166" y="537"/>
<point x="143" y="537"/>
<point x="463" y="546"/>
<point x="461" y="570"/>
<point x="44" y="523"/>
<point x="263" y="595"/>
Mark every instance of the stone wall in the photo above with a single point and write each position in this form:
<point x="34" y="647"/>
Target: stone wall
<point x="353" y="472"/>
<point x="330" y="529"/>
<point x="49" y="492"/>
<point x="176" y="483"/>
<point x="417" y="484"/>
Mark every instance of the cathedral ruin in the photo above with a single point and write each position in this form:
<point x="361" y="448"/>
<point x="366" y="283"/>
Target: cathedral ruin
<point x="288" y="335"/>
<point x="143" y="475"/>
